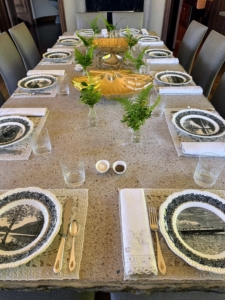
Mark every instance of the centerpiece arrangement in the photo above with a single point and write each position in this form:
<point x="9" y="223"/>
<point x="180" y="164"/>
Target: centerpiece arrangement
<point x="110" y="27"/>
<point x="89" y="95"/>
<point x="137" y="112"/>
<point x="130" y="39"/>
<point x="138" y="62"/>
<point x="86" y="59"/>
<point x="94" y="24"/>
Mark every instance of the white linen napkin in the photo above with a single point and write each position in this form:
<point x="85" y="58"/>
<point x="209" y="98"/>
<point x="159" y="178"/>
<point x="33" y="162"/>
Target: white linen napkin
<point x="144" y="31"/>
<point x="180" y="90"/>
<point x="50" y="72"/>
<point x="169" y="60"/>
<point x="155" y="43"/>
<point x="197" y="148"/>
<point x="60" y="49"/>
<point x="139" y="257"/>
<point x="104" y="32"/>
<point x="39" y="112"/>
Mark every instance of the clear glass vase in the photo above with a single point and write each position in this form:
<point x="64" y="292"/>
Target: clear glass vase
<point x="136" y="136"/>
<point x="85" y="72"/>
<point x="92" y="117"/>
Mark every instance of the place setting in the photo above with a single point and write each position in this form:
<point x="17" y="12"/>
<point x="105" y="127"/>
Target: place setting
<point x="36" y="219"/>
<point x="194" y="130"/>
<point x="57" y="56"/>
<point x="160" y="56"/>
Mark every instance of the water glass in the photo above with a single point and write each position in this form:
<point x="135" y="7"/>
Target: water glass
<point x="72" y="170"/>
<point x="40" y="143"/>
<point x="208" y="169"/>
<point x="158" y="110"/>
<point x="63" y="85"/>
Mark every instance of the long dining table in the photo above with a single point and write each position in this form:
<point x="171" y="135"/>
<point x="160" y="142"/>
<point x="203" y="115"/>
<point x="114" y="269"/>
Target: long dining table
<point x="152" y="165"/>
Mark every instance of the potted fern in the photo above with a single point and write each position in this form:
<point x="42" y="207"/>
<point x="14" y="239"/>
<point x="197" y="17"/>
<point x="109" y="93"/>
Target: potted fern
<point x="138" y="62"/>
<point x="137" y="112"/>
<point x="85" y="60"/>
<point x="89" y="95"/>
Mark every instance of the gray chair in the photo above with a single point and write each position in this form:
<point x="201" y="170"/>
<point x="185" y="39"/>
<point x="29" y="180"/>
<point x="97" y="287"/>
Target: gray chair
<point x="65" y="294"/>
<point x="190" y="44"/>
<point x="82" y="23"/>
<point x="11" y="65"/>
<point x="2" y="99"/>
<point x="130" y="19"/>
<point x="169" y="296"/>
<point x="25" y="45"/>
<point x="218" y="98"/>
<point x="209" y="61"/>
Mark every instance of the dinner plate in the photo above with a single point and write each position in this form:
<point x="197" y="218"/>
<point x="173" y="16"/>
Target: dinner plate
<point x="173" y="78"/>
<point x="149" y="38"/>
<point x="199" y="123"/>
<point x="158" y="53"/>
<point x="192" y="223"/>
<point x="86" y="32"/>
<point x="14" y="129"/>
<point x="37" y="82"/>
<point x="57" y="55"/>
<point x="69" y="41"/>
<point x="131" y="30"/>
<point x="30" y="219"/>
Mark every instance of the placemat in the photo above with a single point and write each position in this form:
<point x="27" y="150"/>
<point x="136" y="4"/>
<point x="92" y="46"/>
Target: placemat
<point x="178" y="136"/>
<point x="41" y="267"/>
<point x="177" y="268"/>
<point x="51" y="92"/>
<point x="24" y="148"/>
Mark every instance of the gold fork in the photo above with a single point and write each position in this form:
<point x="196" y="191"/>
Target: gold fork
<point x="154" y="226"/>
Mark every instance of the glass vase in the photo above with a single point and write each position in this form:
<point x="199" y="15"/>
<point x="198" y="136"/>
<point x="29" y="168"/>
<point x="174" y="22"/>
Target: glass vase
<point x="92" y="117"/>
<point x="136" y="136"/>
<point x="85" y="72"/>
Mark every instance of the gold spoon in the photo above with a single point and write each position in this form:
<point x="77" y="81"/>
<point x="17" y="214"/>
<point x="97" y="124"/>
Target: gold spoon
<point x="73" y="232"/>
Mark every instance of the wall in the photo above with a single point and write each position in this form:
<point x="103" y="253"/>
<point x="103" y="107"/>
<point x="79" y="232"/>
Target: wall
<point x="157" y="16"/>
<point x="70" y="8"/>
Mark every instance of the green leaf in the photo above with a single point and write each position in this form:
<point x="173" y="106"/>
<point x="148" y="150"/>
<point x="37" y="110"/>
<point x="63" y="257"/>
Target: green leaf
<point x="94" y="24"/>
<point x="88" y="42"/>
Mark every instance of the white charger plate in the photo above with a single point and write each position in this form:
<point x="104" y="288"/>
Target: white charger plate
<point x="199" y="123"/>
<point x="14" y="129"/>
<point x="38" y="216"/>
<point x="192" y="223"/>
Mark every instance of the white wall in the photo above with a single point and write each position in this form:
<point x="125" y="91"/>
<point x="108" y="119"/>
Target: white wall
<point x="70" y="8"/>
<point x="157" y="16"/>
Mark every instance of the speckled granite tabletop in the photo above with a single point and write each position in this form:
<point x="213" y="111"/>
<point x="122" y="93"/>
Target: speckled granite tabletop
<point x="154" y="164"/>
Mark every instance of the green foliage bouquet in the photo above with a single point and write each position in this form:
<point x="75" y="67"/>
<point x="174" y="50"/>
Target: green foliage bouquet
<point x="110" y="27"/>
<point x="138" y="62"/>
<point x="86" y="59"/>
<point x="94" y="24"/>
<point x="137" y="111"/>
<point x="130" y="39"/>
<point x="89" y="95"/>
<point x="88" y="42"/>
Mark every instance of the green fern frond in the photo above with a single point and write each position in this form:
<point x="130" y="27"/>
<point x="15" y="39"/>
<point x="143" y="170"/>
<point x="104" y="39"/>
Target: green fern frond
<point x="84" y="59"/>
<point x="88" y="42"/>
<point x="94" y="24"/>
<point x="142" y="97"/>
<point x="109" y="26"/>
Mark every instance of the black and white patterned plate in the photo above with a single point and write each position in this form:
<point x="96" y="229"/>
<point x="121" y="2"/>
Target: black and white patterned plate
<point x="131" y="30"/>
<point x="199" y="123"/>
<point x="30" y="219"/>
<point x="158" y="53"/>
<point x="86" y="32"/>
<point x="173" y="78"/>
<point x="37" y="82"/>
<point x="192" y="223"/>
<point x="149" y="38"/>
<point x="14" y="129"/>
<point x="57" y="56"/>
<point x="69" y="41"/>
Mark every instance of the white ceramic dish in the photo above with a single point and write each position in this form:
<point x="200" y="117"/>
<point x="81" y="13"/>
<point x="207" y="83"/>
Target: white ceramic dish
<point x="14" y="129"/>
<point x="102" y="166"/>
<point x="199" y="123"/>
<point x="34" y="218"/>
<point x="69" y="41"/>
<point x="57" y="56"/>
<point x="158" y="53"/>
<point x="149" y="38"/>
<point x="37" y="82"/>
<point x="119" y="167"/>
<point x="192" y="223"/>
<point x="173" y="78"/>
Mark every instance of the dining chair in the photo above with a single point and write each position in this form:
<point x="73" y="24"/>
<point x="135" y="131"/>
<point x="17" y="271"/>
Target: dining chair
<point x="190" y="44"/>
<point x="169" y="296"/>
<point x="11" y="65"/>
<point x="25" y="45"/>
<point x="82" y="23"/>
<point x="218" y="99"/>
<point x="2" y="99"/>
<point x="209" y="61"/>
<point x="128" y="19"/>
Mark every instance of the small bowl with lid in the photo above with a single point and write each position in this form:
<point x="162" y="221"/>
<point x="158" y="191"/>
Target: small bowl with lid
<point x="119" y="167"/>
<point x="102" y="166"/>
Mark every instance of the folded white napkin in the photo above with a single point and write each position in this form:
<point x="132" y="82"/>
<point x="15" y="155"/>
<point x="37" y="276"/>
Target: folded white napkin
<point x="139" y="257"/>
<point x="60" y="49"/>
<point x="156" y="43"/>
<point x="197" y="148"/>
<point x="39" y="112"/>
<point x="169" y="60"/>
<point x="180" y="90"/>
<point x="50" y="72"/>
<point x="144" y="31"/>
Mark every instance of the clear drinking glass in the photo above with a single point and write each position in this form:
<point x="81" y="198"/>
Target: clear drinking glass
<point x="40" y="143"/>
<point x="158" y="110"/>
<point x="63" y="85"/>
<point x="208" y="169"/>
<point x="72" y="170"/>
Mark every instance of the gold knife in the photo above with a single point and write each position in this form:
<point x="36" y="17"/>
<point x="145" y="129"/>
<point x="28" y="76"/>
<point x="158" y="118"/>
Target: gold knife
<point x="66" y="218"/>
